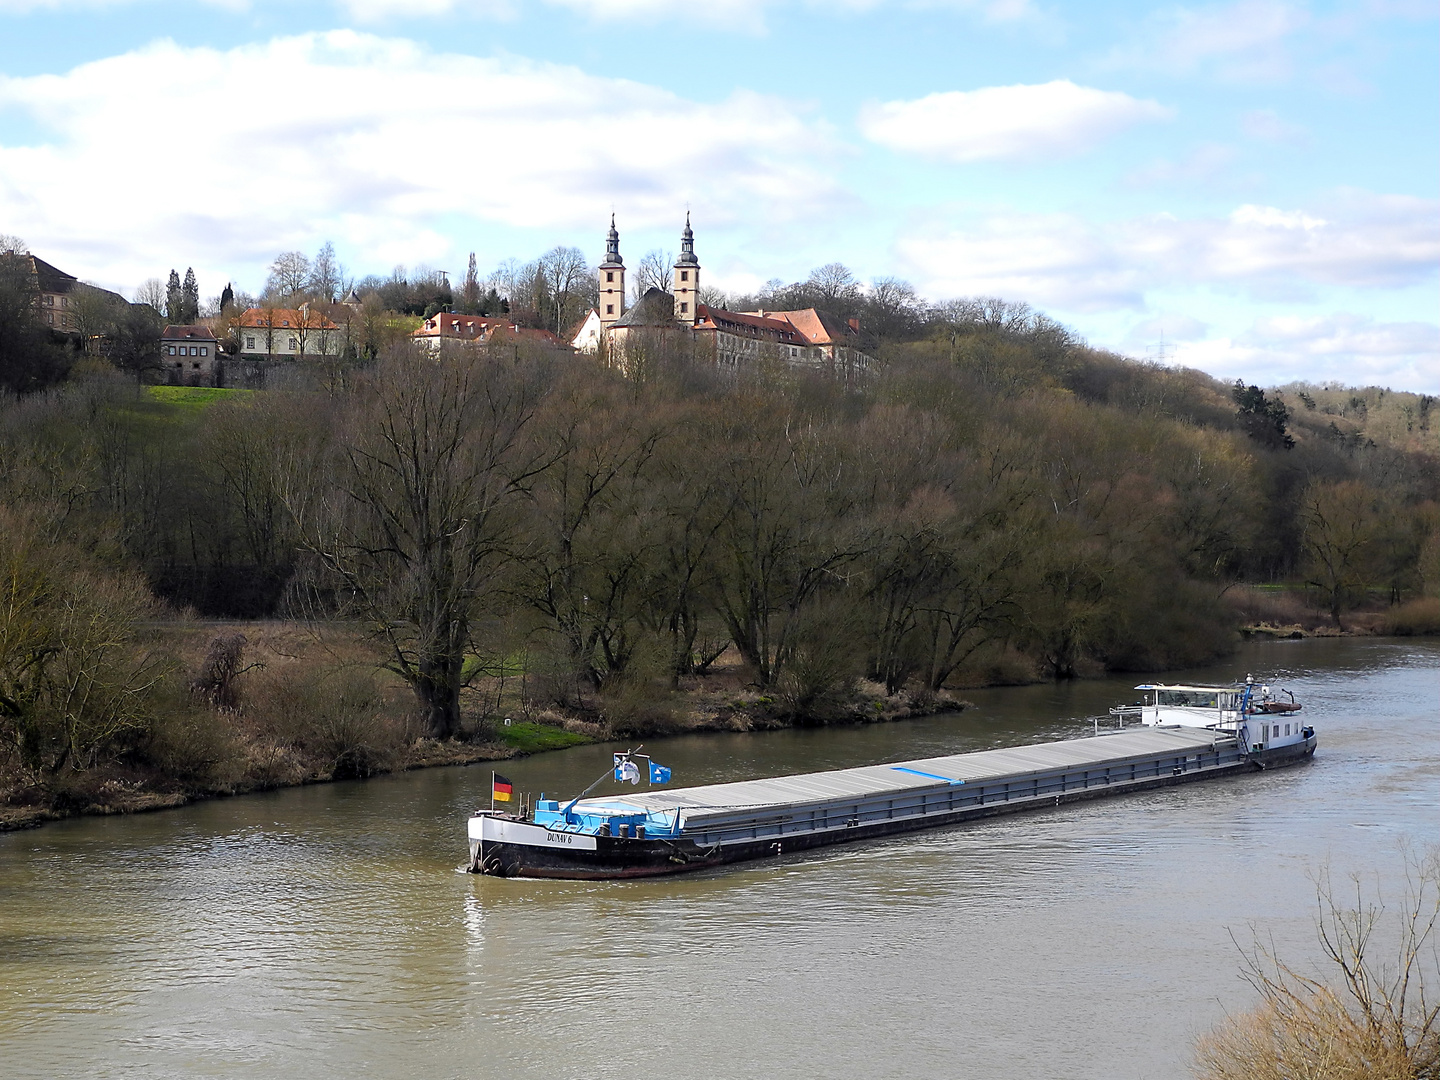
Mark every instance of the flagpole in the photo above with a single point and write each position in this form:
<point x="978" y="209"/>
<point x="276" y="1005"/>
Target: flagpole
<point x="492" y="791"/>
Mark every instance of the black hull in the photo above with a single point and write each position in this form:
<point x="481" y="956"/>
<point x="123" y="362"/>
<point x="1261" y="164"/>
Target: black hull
<point x="623" y="857"/>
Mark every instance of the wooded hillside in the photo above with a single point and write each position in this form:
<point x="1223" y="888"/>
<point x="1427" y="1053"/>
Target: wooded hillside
<point x="996" y="501"/>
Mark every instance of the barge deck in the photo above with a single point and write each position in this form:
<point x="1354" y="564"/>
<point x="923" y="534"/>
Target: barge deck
<point x="671" y="831"/>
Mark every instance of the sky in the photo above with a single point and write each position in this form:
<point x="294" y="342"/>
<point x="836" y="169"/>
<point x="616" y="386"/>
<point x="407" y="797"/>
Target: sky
<point x="1249" y="188"/>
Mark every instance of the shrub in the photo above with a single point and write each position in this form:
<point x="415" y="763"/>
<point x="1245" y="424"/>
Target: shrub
<point x="1377" y="1019"/>
<point x="188" y="741"/>
<point x="1414" y="618"/>
<point x="340" y="719"/>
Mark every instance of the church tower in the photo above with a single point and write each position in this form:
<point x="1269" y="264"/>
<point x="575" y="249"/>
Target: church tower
<point x="687" y="277"/>
<point x="612" y="280"/>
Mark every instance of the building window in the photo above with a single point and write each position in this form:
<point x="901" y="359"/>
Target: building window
<point x="609" y="275"/>
<point x="171" y="350"/>
<point x="684" y="275"/>
<point x="249" y="342"/>
<point x="196" y="365"/>
<point x="294" y="345"/>
<point x="204" y="350"/>
<point x="684" y="308"/>
<point x="609" y="309"/>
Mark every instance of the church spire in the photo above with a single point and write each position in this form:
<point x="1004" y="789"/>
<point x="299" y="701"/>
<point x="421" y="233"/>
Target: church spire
<point x="612" y="279"/>
<point x="612" y="246"/>
<point x="687" y="278"/>
<point x="687" y="246"/>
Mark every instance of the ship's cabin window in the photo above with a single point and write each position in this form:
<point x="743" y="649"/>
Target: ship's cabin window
<point x="1195" y="699"/>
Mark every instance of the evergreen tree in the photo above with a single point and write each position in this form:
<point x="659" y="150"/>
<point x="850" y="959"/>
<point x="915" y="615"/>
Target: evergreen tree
<point x="190" y="297"/>
<point x="470" y="293"/>
<point x="174" y="299"/>
<point x="227" y="297"/>
<point x="1264" y="419"/>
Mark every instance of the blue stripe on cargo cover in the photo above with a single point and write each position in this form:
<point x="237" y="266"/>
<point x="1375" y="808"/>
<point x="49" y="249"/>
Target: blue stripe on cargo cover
<point x="927" y="775"/>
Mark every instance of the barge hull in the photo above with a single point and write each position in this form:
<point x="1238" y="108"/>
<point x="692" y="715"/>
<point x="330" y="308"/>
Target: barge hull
<point x="515" y="849"/>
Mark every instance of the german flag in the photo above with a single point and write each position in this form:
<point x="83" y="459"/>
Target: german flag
<point x="502" y="788"/>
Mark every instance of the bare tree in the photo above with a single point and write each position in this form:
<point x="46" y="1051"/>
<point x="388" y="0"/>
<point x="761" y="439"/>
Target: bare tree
<point x="569" y="281"/>
<point x="715" y="298"/>
<point x="891" y="306"/>
<point x="833" y="284"/>
<point x="95" y="312"/>
<point x="152" y="292"/>
<point x="13" y="245"/>
<point x="651" y="272"/>
<point x="1377" y="1019"/>
<point x="325" y="274"/>
<point x="419" y="522"/>
<point x="289" y="275"/>
<point x="1343" y="523"/>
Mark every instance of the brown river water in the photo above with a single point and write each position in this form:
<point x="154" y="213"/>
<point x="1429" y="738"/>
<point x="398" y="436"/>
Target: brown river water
<point x="325" y="931"/>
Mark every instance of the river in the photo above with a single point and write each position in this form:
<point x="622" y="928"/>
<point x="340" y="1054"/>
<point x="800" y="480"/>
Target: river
<point x="325" y="931"/>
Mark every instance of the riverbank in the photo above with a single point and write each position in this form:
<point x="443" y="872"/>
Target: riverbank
<point x="312" y="704"/>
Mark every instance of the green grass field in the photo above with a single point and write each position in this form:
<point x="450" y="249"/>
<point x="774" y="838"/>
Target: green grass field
<point x="528" y="738"/>
<point x="194" y="397"/>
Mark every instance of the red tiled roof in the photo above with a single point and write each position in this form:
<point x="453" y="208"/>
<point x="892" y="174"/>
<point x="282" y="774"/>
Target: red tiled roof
<point x="816" y="327"/>
<point x="749" y="325"/>
<point x="284" y="319"/>
<point x="445" y="324"/>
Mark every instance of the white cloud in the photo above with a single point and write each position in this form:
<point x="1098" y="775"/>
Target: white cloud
<point x="1243" y="41"/>
<point x="1266" y="125"/>
<point x="1356" y="240"/>
<point x="381" y="144"/>
<point x="738" y="16"/>
<point x="1204" y="166"/>
<point x="1351" y="349"/>
<point x="1025" y="121"/>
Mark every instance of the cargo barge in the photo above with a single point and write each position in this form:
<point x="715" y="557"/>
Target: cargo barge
<point x="1181" y="734"/>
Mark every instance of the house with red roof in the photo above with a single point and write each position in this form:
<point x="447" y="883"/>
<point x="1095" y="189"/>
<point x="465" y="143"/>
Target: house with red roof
<point x="277" y="333"/>
<point x="447" y="328"/>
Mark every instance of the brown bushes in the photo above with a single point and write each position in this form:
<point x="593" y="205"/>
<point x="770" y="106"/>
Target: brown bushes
<point x="1420" y="616"/>
<point x="1376" y="1018"/>
<point x="338" y="721"/>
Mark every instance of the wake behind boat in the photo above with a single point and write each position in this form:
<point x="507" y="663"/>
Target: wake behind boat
<point x="1184" y="733"/>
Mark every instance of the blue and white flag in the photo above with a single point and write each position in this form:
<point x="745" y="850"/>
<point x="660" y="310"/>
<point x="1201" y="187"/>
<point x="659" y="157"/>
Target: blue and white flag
<point x="625" y="769"/>
<point x="659" y="774"/>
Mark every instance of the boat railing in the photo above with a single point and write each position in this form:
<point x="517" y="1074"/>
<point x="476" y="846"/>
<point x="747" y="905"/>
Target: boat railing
<point x="1121" y="714"/>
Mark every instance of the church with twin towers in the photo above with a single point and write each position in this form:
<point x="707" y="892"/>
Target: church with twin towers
<point x="615" y="329"/>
